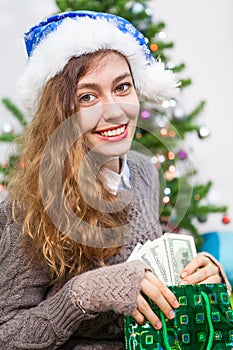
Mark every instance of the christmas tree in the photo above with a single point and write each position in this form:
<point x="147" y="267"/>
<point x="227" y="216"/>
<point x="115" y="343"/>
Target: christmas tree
<point x="162" y="129"/>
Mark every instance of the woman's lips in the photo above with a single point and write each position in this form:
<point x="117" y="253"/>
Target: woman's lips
<point x="115" y="133"/>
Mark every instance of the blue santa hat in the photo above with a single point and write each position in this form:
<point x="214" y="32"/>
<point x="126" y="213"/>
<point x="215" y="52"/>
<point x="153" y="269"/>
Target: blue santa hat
<point x="52" y="43"/>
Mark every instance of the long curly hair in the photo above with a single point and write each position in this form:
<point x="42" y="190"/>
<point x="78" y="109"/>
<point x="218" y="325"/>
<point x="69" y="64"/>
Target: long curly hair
<point x="55" y="191"/>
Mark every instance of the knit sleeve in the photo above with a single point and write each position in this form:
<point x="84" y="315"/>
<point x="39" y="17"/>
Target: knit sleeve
<point x="221" y="270"/>
<point x="27" y="319"/>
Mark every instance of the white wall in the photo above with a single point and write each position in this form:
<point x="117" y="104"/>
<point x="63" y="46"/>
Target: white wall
<point x="202" y="32"/>
<point x="203" y="35"/>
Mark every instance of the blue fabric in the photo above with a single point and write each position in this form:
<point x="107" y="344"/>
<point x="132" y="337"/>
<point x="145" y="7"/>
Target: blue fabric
<point x="40" y="31"/>
<point x="211" y="244"/>
<point x="220" y="245"/>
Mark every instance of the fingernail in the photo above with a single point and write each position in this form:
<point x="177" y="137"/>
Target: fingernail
<point x="184" y="274"/>
<point x="158" y="325"/>
<point x="176" y="304"/>
<point x="171" y="314"/>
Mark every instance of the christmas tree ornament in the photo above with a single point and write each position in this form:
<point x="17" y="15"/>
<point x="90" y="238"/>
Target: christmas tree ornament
<point x="226" y="219"/>
<point x="145" y="114"/>
<point x="182" y="154"/>
<point x="162" y="35"/>
<point x="154" y="47"/>
<point x="202" y="218"/>
<point x="7" y="128"/>
<point x="203" y="132"/>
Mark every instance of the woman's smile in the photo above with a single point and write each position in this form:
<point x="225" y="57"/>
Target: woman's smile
<point x="114" y="133"/>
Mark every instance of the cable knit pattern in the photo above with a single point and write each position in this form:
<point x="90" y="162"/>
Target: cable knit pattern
<point x="34" y="315"/>
<point x="120" y="286"/>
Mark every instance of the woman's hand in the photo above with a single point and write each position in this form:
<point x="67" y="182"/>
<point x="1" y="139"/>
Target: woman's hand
<point x="162" y="297"/>
<point x="201" y="270"/>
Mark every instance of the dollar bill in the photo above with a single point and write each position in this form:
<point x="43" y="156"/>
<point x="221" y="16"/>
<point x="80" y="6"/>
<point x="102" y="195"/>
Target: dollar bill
<point x="166" y="256"/>
<point x="157" y="251"/>
<point x="180" y="250"/>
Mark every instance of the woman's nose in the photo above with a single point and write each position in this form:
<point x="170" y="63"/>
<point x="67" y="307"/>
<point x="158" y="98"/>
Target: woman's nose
<point x="112" y="111"/>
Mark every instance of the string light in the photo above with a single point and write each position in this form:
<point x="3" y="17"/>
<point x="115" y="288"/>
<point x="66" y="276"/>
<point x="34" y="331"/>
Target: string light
<point x="172" y="133"/>
<point x="166" y="200"/>
<point x="171" y="155"/>
<point x="167" y="191"/>
<point x="172" y="168"/>
<point x="154" y="160"/>
<point x="197" y="197"/>
<point x="165" y="104"/>
<point x="164" y="132"/>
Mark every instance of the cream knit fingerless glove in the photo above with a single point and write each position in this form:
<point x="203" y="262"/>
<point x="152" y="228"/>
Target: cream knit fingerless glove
<point x="113" y="287"/>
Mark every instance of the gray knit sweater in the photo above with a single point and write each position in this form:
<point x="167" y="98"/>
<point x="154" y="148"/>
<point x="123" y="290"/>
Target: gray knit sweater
<point x="85" y="312"/>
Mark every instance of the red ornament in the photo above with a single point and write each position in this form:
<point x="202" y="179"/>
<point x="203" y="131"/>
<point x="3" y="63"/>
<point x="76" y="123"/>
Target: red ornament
<point x="226" y="219"/>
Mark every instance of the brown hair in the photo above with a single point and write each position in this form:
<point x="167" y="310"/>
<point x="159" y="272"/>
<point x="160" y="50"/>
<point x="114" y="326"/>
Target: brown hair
<point x="43" y="238"/>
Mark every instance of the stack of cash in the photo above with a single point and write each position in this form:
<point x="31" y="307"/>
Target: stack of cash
<point x="166" y="256"/>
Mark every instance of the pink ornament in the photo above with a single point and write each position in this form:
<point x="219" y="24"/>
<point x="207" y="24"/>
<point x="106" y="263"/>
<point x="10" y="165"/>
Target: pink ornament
<point x="145" y="114"/>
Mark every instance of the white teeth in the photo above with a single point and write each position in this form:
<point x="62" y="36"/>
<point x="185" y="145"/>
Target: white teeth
<point x="114" y="132"/>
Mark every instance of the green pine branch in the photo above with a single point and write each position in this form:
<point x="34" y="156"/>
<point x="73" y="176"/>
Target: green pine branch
<point x="14" y="110"/>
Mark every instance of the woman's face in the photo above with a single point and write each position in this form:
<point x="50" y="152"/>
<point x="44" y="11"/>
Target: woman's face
<point x="108" y="106"/>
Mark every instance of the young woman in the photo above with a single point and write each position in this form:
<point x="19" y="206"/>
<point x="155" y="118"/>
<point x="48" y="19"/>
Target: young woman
<point x="80" y="201"/>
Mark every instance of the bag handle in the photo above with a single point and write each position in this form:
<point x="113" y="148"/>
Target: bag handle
<point x="210" y="324"/>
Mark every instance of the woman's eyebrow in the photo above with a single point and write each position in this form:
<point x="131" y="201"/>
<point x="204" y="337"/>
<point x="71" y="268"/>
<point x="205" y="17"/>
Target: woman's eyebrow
<point x="97" y="87"/>
<point x="121" y="77"/>
<point x="92" y="86"/>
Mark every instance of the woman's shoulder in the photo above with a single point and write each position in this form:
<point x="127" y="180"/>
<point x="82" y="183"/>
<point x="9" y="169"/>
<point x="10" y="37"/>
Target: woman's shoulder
<point x="5" y="212"/>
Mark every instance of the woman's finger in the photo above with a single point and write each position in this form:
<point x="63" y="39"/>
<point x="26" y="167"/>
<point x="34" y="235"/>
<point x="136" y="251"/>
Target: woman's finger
<point x="162" y="297"/>
<point x="138" y="316"/>
<point x="207" y="271"/>
<point x="162" y="289"/>
<point x="145" y="309"/>
<point x="197" y="262"/>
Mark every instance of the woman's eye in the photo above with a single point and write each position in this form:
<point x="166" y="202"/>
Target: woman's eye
<point x="123" y="87"/>
<point x="87" y="98"/>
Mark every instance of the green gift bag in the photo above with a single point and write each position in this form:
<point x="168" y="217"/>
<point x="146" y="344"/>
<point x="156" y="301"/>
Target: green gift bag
<point x="203" y="321"/>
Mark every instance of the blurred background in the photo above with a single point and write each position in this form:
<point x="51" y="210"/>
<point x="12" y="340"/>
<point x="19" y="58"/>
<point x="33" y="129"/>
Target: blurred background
<point x="202" y="33"/>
